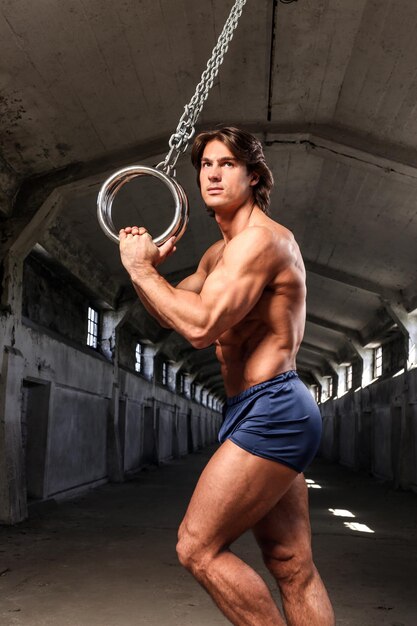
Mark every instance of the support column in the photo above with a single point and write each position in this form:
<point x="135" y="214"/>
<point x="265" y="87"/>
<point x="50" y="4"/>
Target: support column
<point x="173" y="369"/>
<point x="318" y="383"/>
<point x="198" y="389"/>
<point x="13" y="498"/>
<point x="115" y="454"/>
<point x="188" y="379"/>
<point x="366" y="354"/>
<point x="111" y="322"/>
<point x="341" y="380"/>
<point x="149" y="352"/>
<point x="407" y="323"/>
<point x="110" y="346"/>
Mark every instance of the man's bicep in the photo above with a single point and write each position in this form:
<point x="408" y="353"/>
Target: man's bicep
<point x="233" y="289"/>
<point x="194" y="282"/>
<point x="250" y="262"/>
<point x="233" y="294"/>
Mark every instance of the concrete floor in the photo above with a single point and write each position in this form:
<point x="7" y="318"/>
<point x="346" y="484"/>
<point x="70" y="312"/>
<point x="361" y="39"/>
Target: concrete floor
<point x="108" y="558"/>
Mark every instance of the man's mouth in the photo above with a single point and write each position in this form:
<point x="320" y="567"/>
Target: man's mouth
<point x="214" y="189"/>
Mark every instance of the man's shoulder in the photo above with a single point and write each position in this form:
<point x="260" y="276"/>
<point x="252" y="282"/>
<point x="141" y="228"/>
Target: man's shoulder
<point x="263" y="235"/>
<point x="268" y="243"/>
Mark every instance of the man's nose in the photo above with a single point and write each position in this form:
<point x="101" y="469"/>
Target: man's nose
<point x="215" y="173"/>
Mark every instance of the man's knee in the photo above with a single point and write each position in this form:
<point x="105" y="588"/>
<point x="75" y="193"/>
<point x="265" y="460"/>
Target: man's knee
<point x="289" y="565"/>
<point x="191" y="553"/>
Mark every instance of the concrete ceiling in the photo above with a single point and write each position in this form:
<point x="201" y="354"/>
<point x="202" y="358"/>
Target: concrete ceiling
<point x="330" y="86"/>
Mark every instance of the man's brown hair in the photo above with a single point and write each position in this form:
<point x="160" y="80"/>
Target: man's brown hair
<point x="247" y="149"/>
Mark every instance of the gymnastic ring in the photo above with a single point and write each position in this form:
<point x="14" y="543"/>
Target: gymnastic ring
<point x="114" y="183"/>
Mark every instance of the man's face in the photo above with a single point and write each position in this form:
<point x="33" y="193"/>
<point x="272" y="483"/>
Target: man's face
<point x="224" y="181"/>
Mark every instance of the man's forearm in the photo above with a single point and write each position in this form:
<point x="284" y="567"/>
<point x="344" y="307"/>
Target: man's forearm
<point x="148" y="306"/>
<point x="175" y="308"/>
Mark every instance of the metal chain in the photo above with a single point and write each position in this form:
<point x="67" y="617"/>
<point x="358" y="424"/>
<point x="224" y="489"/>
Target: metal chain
<point x="179" y="140"/>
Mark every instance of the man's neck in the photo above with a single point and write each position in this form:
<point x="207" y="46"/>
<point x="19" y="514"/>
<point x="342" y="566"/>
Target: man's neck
<point x="233" y="224"/>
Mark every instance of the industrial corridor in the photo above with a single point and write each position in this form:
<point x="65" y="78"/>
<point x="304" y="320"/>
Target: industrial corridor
<point x="108" y="558"/>
<point x="254" y="282"/>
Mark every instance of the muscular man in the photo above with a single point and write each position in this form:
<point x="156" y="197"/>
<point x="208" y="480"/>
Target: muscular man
<point x="248" y="298"/>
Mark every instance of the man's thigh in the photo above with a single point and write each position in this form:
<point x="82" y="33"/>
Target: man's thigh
<point x="285" y="530"/>
<point x="234" y="492"/>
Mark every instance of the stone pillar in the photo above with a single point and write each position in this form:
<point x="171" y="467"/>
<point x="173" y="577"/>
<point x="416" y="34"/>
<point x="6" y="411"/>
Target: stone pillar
<point x="110" y="347"/>
<point x="149" y="352"/>
<point x="367" y="356"/>
<point x="198" y="389"/>
<point x="341" y="380"/>
<point x="115" y="455"/>
<point x="110" y="323"/>
<point x="24" y="234"/>
<point x="407" y="322"/>
<point x="13" y="499"/>
<point x="173" y="369"/>
<point x="188" y="379"/>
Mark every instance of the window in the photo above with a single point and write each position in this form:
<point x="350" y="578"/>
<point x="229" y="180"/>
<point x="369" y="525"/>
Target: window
<point x="92" y="327"/>
<point x="165" y="373"/>
<point x="139" y="358"/>
<point x="377" y="361"/>
<point x="330" y="387"/>
<point x="327" y="389"/>
<point x="349" y="373"/>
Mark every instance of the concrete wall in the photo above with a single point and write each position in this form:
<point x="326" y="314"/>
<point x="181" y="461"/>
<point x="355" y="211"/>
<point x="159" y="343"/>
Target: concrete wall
<point x="53" y="301"/>
<point x="78" y="420"/>
<point x="375" y="429"/>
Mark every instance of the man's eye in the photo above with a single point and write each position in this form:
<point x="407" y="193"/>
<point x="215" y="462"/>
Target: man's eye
<point x="228" y="163"/>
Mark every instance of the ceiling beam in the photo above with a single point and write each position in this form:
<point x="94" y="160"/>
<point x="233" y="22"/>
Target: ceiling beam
<point x="377" y="328"/>
<point x="60" y="249"/>
<point x="333" y="326"/>
<point x="353" y="281"/>
<point x="328" y="354"/>
<point x="351" y="149"/>
<point x="410" y="297"/>
<point x="312" y="357"/>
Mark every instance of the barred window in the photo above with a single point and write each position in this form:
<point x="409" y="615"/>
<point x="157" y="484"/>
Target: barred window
<point x="165" y="373"/>
<point x="139" y="358"/>
<point x="92" y="327"/>
<point x="182" y="384"/>
<point x="330" y="387"/>
<point x="377" y="361"/>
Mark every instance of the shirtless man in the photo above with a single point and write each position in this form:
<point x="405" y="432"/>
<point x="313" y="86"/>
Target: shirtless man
<point x="248" y="298"/>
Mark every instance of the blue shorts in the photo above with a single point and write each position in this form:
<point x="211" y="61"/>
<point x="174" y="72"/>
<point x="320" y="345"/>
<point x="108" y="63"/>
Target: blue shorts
<point x="277" y="420"/>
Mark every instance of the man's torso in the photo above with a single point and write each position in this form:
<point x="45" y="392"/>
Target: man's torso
<point x="266" y="341"/>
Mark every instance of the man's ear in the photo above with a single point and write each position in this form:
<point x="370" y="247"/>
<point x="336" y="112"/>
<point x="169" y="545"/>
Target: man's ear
<point x="254" y="179"/>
